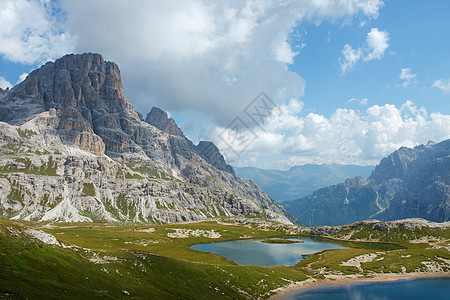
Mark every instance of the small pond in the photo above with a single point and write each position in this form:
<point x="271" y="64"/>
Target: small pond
<point x="256" y="252"/>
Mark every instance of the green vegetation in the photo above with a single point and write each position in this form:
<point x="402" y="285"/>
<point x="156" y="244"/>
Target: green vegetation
<point x="396" y="235"/>
<point x="154" y="173"/>
<point x="117" y="261"/>
<point x="133" y="176"/>
<point x="126" y="265"/>
<point x="16" y="193"/>
<point x="281" y="241"/>
<point x="10" y="146"/>
<point x="88" y="189"/>
<point x="25" y="165"/>
<point x="26" y="134"/>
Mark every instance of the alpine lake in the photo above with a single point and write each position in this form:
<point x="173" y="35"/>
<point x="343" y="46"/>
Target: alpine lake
<point x="268" y="252"/>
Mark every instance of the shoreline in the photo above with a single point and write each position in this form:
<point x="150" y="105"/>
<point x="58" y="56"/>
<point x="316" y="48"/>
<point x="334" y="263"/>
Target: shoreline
<point x="336" y="280"/>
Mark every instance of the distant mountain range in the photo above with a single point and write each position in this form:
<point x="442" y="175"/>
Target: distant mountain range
<point x="409" y="183"/>
<point x="73" y="149"/>
<point x="300" y="181"/>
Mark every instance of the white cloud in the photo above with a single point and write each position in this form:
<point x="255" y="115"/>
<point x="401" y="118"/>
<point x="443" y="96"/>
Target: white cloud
<point x="22" y="77"/>
<point x="31" y="33"/>
<point x="348" y="136"/>
<point x="4" y="83"/>
<point x="351" y="57"/>
<point x="211" y="57"/>
<point x="204" y="56"/>
<point x="378" y="43"/>
<point x="407" y="76"/>
<point x="362" y="101"/>
<point x="374" y="48"/>
<point x="443" y="85"/>
<point x="284" y="53"/>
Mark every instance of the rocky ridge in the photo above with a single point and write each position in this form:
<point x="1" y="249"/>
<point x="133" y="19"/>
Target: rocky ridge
<point x="207" y="150"/>
<point x="409" y="183"/>
<point x="72" y="148"/>
<point x="159" y="118"/>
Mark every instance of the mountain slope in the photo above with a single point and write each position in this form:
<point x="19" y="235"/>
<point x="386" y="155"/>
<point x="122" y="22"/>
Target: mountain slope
<point x="300" y="181"/>
<point x="73" y="149"/>
<point x="409" y="183"/>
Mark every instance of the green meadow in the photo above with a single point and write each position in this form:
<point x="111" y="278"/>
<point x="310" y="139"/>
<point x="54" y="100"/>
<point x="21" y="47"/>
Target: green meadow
<point x="98" y="260"/>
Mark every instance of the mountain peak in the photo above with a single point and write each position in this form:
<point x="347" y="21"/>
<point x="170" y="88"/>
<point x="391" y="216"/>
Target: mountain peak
<point x="159" y="118"/>
<point x="105" y="163"/>
<point x="85" y="81"/>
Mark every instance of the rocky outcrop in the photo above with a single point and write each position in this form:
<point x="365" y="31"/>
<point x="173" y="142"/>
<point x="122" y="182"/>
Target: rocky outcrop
<point x="350" y="231"/>
<point x="158" y="118"/>
<point x="409" y="183"/>
<point x="89" y="155"/>
<point x="209" y="152"/>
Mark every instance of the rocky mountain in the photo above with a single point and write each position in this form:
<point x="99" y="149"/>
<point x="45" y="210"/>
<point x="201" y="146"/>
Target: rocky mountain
<point x="300" y="181"/>
<point x="207" y="150"/>
<point x="409" y="183"/>
<point x="72" y="148"/>
<point x="158" y="118"/>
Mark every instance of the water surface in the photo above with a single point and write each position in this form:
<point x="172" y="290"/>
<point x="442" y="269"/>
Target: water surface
<point x="255" y="252"/>
<point x="416" y="289"/>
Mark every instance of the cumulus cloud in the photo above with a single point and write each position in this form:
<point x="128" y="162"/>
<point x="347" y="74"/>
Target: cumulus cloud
<point x="348" y="136"/>
<point x="203" y="56"/>
<point x="374" y="48"/>
<point x="284" y="53"/>
<point x="377" y="42"/>
<point x="30" y="32"/>
<point x="407" y="76"/>
<point x="351" y="57"/>
<point x="443" y="85"/>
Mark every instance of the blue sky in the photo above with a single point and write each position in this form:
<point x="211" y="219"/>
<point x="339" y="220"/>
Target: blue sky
<point x="417" y="41"/>
<point x="351" y="80"/>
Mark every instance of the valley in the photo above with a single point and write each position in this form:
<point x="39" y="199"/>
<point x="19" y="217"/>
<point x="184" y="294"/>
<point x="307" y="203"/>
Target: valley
<point x="98" y="202"/>
<point x="136" y="260"/>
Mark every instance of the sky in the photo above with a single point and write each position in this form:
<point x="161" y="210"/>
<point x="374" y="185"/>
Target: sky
<point x="272" y="83"/>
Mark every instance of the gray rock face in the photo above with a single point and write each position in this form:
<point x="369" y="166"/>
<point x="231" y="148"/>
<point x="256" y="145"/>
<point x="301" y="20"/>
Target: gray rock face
<point x="409" y="183"/>
<point x="424" y="183"/>
<point x="73" y="149"/>
<point x="354" y="200"/>
<point x="209" y="152"/>
<point x="160" y="120"/>
<point x="412" y="224"/>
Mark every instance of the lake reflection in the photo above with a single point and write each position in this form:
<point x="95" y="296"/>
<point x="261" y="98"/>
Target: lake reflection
<point x="417" y="289"/>
<point x="255" y="252"/>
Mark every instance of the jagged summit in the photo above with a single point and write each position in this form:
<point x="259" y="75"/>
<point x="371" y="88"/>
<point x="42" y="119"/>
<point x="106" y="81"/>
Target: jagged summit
<point x="84" y="81"/>
<point x="207" y="150"/>
<point x="409" y="183"/>
<point x="159" y="118"/>
<point x="82" y="137"/>
<point x="405" y="162"/>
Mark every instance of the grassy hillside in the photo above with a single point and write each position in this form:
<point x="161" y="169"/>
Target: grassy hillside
<point x="138" y="261"/>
